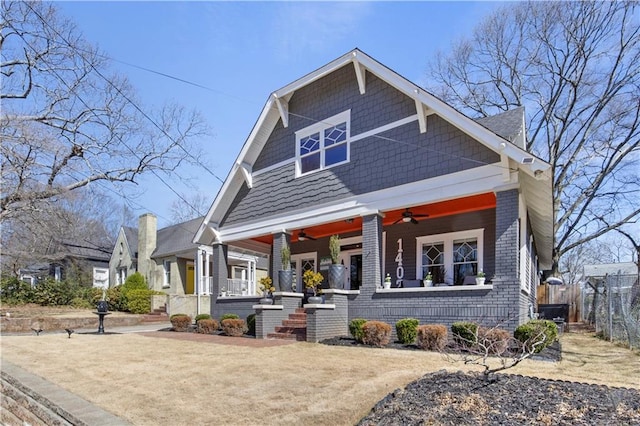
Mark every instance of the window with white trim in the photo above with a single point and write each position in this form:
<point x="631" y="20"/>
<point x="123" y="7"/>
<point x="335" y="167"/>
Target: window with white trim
<point x="324" y="144"/>
<point x="450" y="258"/>
<point x="167" y="273"/>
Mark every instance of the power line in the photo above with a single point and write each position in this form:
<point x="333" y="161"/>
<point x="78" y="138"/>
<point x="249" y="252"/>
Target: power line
<point x="96" y="115"/>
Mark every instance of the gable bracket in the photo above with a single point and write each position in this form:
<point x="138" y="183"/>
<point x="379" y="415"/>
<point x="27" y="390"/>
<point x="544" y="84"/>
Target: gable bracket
<point x="422" y="113"/>
<point x="283" y="109"/>
<point x="247" y="173"/>
<point x="360" y="74"/>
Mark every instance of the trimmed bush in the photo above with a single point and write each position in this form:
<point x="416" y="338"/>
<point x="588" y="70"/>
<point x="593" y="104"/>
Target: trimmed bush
<point x="234" y="327"/>
<point x="537" y="334"/>
<point x="251" y="324"/>
<point x="376" y="333"/>
<point x="207" y="326"/>
<point x="407" y="330"/>
<point x="355" y="328"/>
<point x="228" y="316"/>
<point x="432" y="337"/>
<point x="180" y="322"/>
<point x="465" y="333"/>
<point x="201" y="317"/>
<point x="115" y="300"/>
<point x="494" y="340"/>
<point x="139" y="301"/>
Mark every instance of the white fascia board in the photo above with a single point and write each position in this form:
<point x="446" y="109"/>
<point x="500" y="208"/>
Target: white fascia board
<point x="470" y="182"/>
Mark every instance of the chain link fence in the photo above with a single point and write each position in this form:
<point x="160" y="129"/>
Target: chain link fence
<point x="612" y="304"/>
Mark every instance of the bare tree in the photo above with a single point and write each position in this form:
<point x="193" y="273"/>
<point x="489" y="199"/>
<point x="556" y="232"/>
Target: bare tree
<point x="79" y="223"/>
<point x="66" y="122"/>
<point x="189" y="207"/>
<point x="574" y="66"/>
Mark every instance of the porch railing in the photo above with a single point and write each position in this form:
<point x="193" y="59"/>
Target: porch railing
<point x="234" y="287"/>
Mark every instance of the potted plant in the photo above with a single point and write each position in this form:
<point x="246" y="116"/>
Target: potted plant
<point x="480" y="278"/>
<point x="312" y="280"/>
<point x="387" y="282"/>
<point x="223" y="291"/>
<point x="285" y="275"/>
<point x="428" y="280"/>
<point x="336" y="270"/>
<point x="244" y="291"/>
<point x="267" y="288"/>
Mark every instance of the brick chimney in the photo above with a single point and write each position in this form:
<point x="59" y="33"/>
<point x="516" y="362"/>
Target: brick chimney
<point x="147" y="235"/>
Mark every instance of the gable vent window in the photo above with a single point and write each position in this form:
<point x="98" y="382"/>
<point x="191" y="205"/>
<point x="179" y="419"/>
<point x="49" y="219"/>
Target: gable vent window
<point x="323" y="145"/>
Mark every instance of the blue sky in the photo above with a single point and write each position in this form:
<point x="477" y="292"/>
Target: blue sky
<point x="246" y="50"/>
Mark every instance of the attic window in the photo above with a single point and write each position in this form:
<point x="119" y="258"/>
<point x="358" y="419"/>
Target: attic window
<point x="323" y="145"/>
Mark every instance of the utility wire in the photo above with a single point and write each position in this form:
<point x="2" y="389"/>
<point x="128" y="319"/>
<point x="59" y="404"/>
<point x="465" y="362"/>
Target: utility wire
<point x="96" y="115"/>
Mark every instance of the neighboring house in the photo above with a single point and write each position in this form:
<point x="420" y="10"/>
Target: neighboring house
<point x="124" y="257"/>
<point x="411" y="186"/>
<point x="73" y="259"/>
<point x="168" y="259"/>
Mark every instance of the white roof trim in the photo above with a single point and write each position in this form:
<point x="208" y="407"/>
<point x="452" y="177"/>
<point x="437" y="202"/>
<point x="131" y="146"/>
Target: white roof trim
<point x="271" y="112"/>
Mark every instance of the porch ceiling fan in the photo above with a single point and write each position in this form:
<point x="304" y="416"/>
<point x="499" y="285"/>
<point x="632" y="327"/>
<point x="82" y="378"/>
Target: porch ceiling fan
<point x="409" y="216"/>
<point x="302" y="236"/>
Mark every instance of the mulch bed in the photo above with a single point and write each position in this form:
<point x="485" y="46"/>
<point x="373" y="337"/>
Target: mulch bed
<point x="448" y="398"/>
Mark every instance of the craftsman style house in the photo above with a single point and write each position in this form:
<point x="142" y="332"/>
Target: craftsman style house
<point x="411" y="186"/>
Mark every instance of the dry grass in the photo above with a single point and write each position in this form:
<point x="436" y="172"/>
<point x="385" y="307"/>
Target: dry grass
<point x="152" y="381"/>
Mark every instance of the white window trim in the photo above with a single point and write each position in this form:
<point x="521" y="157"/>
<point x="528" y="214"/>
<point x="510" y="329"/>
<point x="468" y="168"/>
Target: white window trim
<point x="447" y="240"/>
<point x="343" y="117"/>
<point x="166" y="264"/>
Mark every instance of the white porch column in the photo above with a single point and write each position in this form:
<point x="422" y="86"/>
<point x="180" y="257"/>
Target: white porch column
<point x="198" y="264"/>
<point x="207" y="273"/>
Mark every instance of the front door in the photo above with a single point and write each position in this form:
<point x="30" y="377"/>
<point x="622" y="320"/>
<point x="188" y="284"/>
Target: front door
<point x="352" y="260"/>
<point x="189" y="288"/>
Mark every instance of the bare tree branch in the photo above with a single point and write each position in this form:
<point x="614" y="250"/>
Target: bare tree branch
<point x="573" y="65"/>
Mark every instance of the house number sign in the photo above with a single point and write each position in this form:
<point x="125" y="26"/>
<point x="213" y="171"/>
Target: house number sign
<point x="399" y="268"/>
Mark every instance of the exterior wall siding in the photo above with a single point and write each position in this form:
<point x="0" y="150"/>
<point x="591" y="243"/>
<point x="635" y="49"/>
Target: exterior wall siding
<point x="376" y="163"/>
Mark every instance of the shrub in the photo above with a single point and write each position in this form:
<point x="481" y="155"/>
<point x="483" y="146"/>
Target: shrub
<point x="139" y="301"/>
<point x="376" y="333"/>
<point x="81" y="303"/>
<point x="228" y="316"/>
<point x="465" y="333"/>
<point x="432" y="337"/>
<point x="251" y="324"/>
<point x="407" y="330"/>
<point x="234" y="327"/>
<point x="54" y="293"/>
<point x="494" y="340"/>
<point x="355" y="328"/>
<point x="115" y="300"/>
<point x="201" y="317"/>
<point x="536" y="334"/>
<point x="207" y="326"/>
<point x="15" y="292"/>
<point x="180" y="322"/>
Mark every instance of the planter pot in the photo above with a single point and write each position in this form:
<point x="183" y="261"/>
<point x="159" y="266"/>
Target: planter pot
<point x="480" y="280"/>
<point x="315" y="300"/>
<point x="386" y="285"/>
<point x="428" y="283"/>
<point x="266" y="301"/>
<point x="285" y="279"/>
<point x="336" y="276"/>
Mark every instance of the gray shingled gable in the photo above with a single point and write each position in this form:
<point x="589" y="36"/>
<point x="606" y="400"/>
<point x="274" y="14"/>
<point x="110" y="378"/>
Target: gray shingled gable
<point x="177" y="238"/>
<point x="507" y="124"/>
